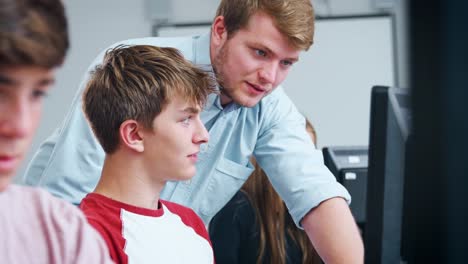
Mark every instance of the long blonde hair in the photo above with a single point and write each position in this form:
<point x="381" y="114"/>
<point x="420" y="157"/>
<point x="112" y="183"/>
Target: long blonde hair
<point x="273" y="218"/>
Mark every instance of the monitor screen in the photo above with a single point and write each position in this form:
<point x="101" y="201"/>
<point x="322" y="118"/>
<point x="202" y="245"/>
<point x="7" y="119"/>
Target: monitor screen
<point x="388" y="138"/>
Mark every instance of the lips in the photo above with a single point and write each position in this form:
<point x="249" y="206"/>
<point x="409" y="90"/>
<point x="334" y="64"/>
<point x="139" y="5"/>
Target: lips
<point x="193" y="157"/>
<point x="8" y="163"/>
<point x="257" y="87"/>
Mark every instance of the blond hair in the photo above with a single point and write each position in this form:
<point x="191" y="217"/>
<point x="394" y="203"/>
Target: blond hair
<point x="293" y="18"/>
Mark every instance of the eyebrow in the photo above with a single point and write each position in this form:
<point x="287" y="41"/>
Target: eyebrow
<point x="294" y="60"/>
<point x="191" y="110"/>
<point x="5" y="80"/>
<point x="48" y="81"/>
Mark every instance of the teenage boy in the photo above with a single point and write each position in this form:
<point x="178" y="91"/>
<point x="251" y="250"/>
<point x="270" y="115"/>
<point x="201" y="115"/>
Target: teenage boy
<point x="35" y="227"/>
<point x="251" y="47"/>
<point x="143" y="104"/>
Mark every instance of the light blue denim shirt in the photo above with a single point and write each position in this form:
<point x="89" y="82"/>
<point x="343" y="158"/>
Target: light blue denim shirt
<point x="69" y="162"/>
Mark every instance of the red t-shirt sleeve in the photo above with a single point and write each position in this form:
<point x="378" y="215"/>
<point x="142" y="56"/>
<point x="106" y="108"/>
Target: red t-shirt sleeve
<point x="109" y="226"/>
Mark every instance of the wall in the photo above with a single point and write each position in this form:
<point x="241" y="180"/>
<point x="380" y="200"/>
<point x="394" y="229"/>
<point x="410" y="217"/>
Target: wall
<point x="331" y="84"/>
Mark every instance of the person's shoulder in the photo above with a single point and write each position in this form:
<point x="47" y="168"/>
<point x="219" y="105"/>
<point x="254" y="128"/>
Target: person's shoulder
<point x="241" y="196"/>
<point x="34" y="201"/>
<point x="54" y="212"/>
<point x="90" y="204"/>
<point x="178" y="208"/>
<point x="239" y="211"/>
<point x="187" y="215"/>
<point x="240" y="199"/>
<point x="183" y="44"/>
<point x="43" y="200"/>
<point x="155" y="41"/>
<point x="28" y="191"/>
<point x="99" y="209"/>
<point x="239" y="205"/>
<point x="105" y="218"/>
<point x="62" y="225"/>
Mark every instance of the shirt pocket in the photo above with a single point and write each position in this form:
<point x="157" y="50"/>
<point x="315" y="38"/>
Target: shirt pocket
<point x="226" y="180"/>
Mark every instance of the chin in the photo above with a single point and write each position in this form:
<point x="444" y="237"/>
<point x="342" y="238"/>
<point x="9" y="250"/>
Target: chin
<point x="187" y="175"/>
<point x="4" y="182"/>
<point x="185" y="178"/>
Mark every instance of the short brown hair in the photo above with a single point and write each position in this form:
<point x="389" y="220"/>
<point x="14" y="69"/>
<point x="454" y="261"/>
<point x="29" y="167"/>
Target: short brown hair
<point x="137" y="82"/>
<point x="294" y="18"/>
<point x="33" y="32"/>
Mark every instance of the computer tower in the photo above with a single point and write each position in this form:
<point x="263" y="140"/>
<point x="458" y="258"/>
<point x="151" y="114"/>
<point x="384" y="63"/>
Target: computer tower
<point x="349" y="165"/>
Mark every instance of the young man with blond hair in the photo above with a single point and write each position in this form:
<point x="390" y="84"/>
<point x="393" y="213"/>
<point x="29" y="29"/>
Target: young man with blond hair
<point x="250" y="49"/>
<point x="143" y="105"/>
<point x="35" y="227"/>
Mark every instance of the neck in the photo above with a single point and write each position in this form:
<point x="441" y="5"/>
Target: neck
<point x="124" y="179"/>
<point x="224" y="99"/>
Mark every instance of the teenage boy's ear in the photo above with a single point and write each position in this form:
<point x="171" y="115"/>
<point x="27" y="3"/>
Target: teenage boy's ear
<point x="218" y="31"/>
<point x="131" y="135"/>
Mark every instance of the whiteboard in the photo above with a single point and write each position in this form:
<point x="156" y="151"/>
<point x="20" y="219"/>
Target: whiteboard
<point x="331" y="83"/>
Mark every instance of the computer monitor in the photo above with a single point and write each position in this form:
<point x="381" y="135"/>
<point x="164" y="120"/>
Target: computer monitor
<point x="349" y="165"/>
<point x="388" y="138"/>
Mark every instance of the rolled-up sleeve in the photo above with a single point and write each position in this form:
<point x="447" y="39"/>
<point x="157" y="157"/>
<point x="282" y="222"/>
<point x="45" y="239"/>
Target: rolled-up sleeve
<point x="294" y="166"/>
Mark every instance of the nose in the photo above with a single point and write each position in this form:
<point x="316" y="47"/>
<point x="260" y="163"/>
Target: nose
<point x="16" y="121"/>
<point x="267" y="73"/>
<point x="201" y="135"/>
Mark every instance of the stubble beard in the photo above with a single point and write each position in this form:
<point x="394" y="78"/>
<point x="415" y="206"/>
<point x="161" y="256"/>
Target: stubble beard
<point x="220" y="74"/>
